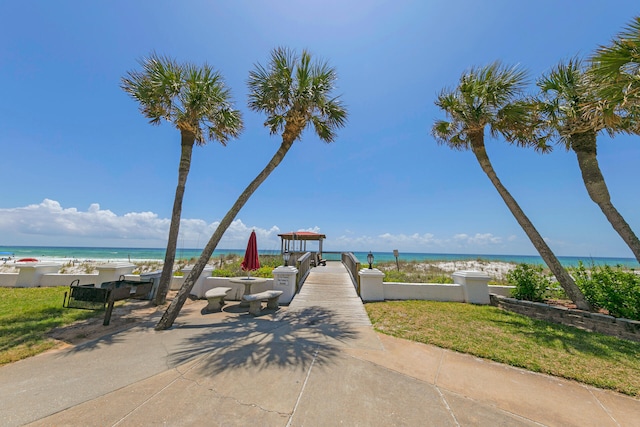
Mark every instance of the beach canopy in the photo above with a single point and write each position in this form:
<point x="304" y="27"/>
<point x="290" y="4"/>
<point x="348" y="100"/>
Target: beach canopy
<point x="251" y="261"/>
<point x="288" y="241"/>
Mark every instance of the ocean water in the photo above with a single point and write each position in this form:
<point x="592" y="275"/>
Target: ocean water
<point x="133" y="254"/>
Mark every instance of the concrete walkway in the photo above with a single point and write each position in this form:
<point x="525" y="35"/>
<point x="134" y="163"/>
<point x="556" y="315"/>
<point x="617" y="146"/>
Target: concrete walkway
<point x="304" y="365"/>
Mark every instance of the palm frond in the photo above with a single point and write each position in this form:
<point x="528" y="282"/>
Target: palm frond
<point x="295" y="91"/>
<point x="194" y="98"/>
<point x="616" y="69"/>
<point x="479" y="101"/>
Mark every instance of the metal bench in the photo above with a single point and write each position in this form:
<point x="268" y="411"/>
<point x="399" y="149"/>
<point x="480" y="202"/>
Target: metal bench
<point x="215" y="297"/>
<point x="90" y="297"/>
<point x="255" y="301"/>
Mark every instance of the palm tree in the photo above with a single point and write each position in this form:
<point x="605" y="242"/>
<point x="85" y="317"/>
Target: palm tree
<point x="492" y="96"/>
<point x="566" y="90"/>
<point x="294" y="93"/>
<point x="616" y="72"/>
<point x="196" y="100"/>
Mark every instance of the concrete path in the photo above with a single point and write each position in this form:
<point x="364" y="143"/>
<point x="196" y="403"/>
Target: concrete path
<point x="307" y="365"/>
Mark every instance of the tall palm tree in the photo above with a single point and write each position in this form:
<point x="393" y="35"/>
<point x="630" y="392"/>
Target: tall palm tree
<point x="616" y="71"/>
<point x="566" y="89"/>
<point x="492" y="96"/>
<point x="197" y="102"/>
<point x="295" y="93"/>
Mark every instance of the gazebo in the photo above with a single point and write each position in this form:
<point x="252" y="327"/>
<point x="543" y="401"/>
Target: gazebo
<point x="288" y="241"/>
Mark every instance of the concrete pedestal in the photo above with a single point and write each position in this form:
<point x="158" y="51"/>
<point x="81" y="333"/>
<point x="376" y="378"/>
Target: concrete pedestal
<point x="199" y="288"/>
<point x="155" y="277"/>
<point x="474" y="285"/>
<point x="31" y="272"/>
<point x="111" y="271"/>
<point x="284" y="279"/>
<point x="371" y="284"/>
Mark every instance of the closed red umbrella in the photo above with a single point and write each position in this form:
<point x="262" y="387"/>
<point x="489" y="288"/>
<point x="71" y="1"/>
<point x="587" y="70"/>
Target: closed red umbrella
<point x="251" y="261"/>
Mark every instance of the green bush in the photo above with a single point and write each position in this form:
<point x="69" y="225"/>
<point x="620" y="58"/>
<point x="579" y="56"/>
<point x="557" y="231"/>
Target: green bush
<point x="396" y="276"/>
<point x="416" y="277"/>
<point x="223" y="272"/>
<point x="530" y="282"/>
<point x="615" y="289"/>
<point x="232" y="267"/>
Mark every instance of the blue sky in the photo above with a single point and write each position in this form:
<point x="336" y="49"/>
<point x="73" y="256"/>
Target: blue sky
<point x="80" y="166"/>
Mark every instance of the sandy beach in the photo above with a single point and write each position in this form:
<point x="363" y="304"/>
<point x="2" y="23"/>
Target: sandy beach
<point x="495" y="269"/>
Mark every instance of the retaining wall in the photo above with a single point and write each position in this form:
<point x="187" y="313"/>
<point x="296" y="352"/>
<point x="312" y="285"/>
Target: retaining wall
<point x="594" y="322"/>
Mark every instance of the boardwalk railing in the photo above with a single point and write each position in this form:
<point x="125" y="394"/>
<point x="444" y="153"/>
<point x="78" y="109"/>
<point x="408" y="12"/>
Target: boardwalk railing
<point x="353" y="266"/>
<point x="303" y="264"/>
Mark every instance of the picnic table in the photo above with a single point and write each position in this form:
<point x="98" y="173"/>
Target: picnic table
<point x="247" y="282"/>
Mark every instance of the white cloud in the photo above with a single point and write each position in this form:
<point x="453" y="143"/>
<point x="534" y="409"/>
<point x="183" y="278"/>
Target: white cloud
<point x="416" y="242"/>
<point x="48" y="223"/>
<point x="485" y="239"/>
<point x="478" y="239"/>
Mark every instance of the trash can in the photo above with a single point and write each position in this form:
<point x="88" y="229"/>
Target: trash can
<point x="155" y="277"/>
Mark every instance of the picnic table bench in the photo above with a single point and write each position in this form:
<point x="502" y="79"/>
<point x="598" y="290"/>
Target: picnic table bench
<point x="215" y="297"/>
<point x="91" y="297"/>
<point x="255" y="301"/>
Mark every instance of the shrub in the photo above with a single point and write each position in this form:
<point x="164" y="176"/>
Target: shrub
<point x="414" y="276"/>
<point x="232" y="267"/>
<point x="529" y="281"/>
<point x="395" y="276"/>
<point x="223" y="272"/>
<point x="612" y="288"/>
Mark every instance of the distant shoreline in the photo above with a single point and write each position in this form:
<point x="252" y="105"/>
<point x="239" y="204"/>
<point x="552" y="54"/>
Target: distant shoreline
<point x="104" y="254"/>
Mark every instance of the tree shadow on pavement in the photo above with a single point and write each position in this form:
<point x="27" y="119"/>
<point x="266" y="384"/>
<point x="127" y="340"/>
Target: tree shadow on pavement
<point x="293" y="338"/>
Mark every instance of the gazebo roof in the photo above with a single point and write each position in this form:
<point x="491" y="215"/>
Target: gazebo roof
<point x="302" y="235"/>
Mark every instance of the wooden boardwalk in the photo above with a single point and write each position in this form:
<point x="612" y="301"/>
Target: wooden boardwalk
<point x="329" y="288"/>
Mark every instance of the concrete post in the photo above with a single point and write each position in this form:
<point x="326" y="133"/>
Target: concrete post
<point x="474" y="285"/>
<point x="155" y="277"/>
<point x="371" y="284"/>
<point x="31" y="273"/>
<point x="111" y="271"/>
<point x="284" y="279"/>
<point x="199" y="288"/>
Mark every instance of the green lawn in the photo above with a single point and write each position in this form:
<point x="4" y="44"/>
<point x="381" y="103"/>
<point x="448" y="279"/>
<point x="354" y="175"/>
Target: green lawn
<point x="26" y="315"/>
<point x="491" y="333"/>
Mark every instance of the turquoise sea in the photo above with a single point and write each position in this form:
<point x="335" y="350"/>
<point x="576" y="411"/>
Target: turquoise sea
<point x="112" y="254"/>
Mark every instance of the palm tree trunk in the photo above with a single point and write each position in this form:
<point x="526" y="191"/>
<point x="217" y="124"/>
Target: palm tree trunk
<point x="565" y="280"/>
<point x="584" y="145"/>
<point x="172" y="312"/>
<point x="187" y="141"/>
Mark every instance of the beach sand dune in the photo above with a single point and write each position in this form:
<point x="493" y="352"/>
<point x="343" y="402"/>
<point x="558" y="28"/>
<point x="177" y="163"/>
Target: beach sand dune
<point x="495" y="269"/>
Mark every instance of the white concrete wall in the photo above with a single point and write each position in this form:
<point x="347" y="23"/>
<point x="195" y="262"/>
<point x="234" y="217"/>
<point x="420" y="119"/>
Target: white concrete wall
<point x="504" y="291"/>
<point x="392" y="290"/>
<point x="423" y="291"/>
<point x="57" y="279"/>
<point x="176" y="282"/>
<point x="8" y="280"/>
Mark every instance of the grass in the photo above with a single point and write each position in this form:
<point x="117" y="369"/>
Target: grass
<point x="26" y="315"/>
<point x="491" y="333"/>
